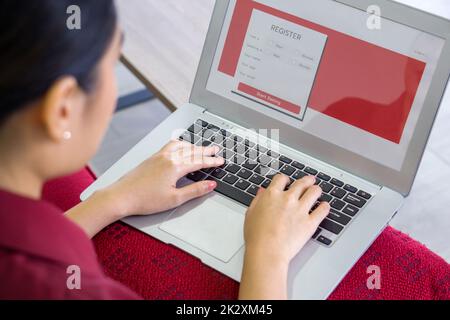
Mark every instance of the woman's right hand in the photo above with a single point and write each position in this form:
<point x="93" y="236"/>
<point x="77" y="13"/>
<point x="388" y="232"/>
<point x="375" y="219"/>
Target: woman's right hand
<point x="278" y="225"/>
<point x="279" y="221"/>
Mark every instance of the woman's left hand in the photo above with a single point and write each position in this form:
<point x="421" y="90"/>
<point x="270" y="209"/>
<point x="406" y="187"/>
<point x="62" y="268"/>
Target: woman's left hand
<point x="152" y="187"/>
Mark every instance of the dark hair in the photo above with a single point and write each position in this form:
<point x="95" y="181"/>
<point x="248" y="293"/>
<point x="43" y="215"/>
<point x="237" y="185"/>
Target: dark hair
<point x="37" y="47"/>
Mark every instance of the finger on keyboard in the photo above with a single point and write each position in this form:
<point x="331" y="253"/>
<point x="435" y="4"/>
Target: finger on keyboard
<point x="279" y="182"/>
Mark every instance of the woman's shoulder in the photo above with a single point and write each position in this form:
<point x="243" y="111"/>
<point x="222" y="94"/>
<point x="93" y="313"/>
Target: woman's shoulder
<point x="44" y="255"/>
<point x="40" y="229"/>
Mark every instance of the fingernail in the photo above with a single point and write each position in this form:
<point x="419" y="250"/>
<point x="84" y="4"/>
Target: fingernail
<point x="211" y="185"/>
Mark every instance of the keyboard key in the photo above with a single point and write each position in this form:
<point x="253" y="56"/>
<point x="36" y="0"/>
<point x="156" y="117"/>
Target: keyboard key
<point x="231" y="179"/>
<point x="201" y="123"/>
<point x="339" y="217"/>
<point x="311" y="171"/>
<point x="253" y="190"/>
<point x="337" y="204"/>
<point x="240" y="149"/>
<point x="250" y="165"/>
<point x="225" y="133"/>
<point x="276" y="165"/>
<point x="261" y="149"/>
<point x="245" y="174"/>
<point x="325" y="198"/>
<point x="208" y="170"/>
<point x="350" y="210"/>
<point x="238" y="159"/>
<point x="285" y="159"/>
<point x="288" y="170"/>
<point x="266" y="184"/>
<point x="326" y="187"/>
<point x="213" y="127"/>
<point x="324" y="240"/>
<point x="197" y="176"/>
<point x="252" y="154"/>
<point x="316" y="234"/>
<point x="190" y="137"/>
<point x="364" y="194"/>
<point x="187" y="136"/>
<point x="219" y="139"/>
<point x="207" y="134"/>
<point x="263" y="171"/>
<point x="232" y="168"/>
<point x="226" y="154"/>
<point x="248" y="143"/>
<point x="298" y="165"/>
<point x="195" y="129"/>
<point x="264" y="160"/>
<point x="257" y="179"/>
<point x="337" y="182"/>
<point x="298" y="175"/>
<point x="237" y="138"/>
<point x="350" y="188"/>
<point x="247" y="148"/>
<point x="273" y="154"/>
<point x="242" y="184"/>
<point x="338" y="193"/>
<point x="234" y="193"/>
<point x="331" y="226"/>
<point x="218" y="173"/>
<point x="355" y="200"/>
<point x="230" y="144"/>
<point x="324" y="176"/>
<point x="224" y="142"/>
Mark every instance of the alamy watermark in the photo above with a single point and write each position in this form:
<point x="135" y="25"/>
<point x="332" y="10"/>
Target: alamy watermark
<point x="74" y="277"/>
<point x="73" y="21"/>
<point x="374" y="280"/>
<point x="374" y="19"/>
<point x="237" y="145"/>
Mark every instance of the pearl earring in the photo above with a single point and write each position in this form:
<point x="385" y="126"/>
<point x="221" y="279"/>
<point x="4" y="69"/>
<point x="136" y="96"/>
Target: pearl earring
<point x="67" y="135"/>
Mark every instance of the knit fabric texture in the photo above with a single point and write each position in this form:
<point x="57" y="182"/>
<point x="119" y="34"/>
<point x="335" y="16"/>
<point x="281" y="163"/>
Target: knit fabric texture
<point x="158" y="271"/>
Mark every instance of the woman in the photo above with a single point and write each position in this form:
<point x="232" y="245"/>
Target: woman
<point x="57" y="96"/>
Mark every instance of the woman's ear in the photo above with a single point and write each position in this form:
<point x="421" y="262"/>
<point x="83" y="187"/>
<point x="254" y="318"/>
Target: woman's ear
<point x="58" y="108"/>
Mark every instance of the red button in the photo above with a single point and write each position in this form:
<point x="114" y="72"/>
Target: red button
<point x="286" y="105"/>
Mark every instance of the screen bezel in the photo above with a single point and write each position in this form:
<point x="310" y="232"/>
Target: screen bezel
<point x="400" y="181"/>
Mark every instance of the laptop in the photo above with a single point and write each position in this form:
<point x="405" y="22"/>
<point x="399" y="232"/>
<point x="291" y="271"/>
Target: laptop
<point x="345" y="90"/>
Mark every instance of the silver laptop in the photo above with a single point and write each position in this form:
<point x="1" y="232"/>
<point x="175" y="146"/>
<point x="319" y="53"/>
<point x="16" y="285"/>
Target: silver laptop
<point x="343" y="90"/>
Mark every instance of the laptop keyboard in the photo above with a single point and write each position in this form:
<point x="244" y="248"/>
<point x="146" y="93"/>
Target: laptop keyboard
<point x="249" y="166"/>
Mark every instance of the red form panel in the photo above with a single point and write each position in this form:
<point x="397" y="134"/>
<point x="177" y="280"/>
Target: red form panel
<point x="359" y="83"/>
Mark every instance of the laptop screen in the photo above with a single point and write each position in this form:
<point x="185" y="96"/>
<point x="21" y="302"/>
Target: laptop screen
<point x="331" y="70"/>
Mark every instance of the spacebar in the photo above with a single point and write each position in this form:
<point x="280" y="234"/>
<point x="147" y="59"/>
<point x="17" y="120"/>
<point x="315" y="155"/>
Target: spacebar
<point x="233" y="193"/>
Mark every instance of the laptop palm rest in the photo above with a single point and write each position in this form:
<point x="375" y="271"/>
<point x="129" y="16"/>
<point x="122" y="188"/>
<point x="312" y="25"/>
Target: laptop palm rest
<point x="209" y="225"/>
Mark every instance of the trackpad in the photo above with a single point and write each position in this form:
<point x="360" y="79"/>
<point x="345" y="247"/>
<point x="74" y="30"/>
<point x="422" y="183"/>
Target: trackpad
<point x="210" y="226"/>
